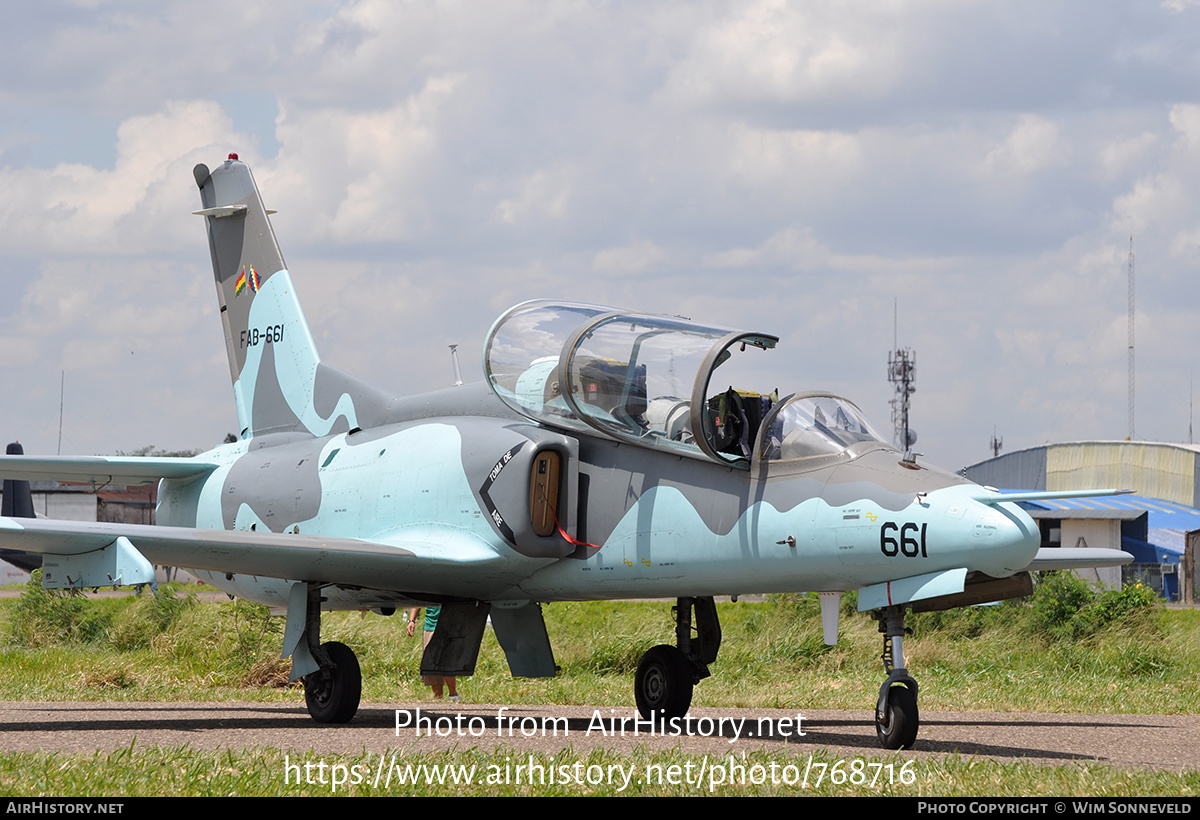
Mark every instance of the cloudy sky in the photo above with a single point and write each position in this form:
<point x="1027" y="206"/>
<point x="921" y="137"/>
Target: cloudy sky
<point x="798" y="168"/>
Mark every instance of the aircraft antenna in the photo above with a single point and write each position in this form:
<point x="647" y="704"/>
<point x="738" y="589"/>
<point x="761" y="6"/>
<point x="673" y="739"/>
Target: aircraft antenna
<point x="454" y="358"/>
<point x="62" y="385"/>
<point x="902" y="364"/>
<point x="1131" y="370"/>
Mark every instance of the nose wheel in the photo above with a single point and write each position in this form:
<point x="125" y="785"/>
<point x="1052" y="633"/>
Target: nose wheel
<point x="896" y="723"/>
<point x="896" y="715"/>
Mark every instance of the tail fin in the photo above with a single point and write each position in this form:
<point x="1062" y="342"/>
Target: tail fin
<point x="18" y="503"/>
<point x="279" y="382"/>
<point x="18" y="497"/>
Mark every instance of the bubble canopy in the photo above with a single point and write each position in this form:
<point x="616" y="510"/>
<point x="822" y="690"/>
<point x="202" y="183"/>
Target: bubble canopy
<point x="641" y="378"/>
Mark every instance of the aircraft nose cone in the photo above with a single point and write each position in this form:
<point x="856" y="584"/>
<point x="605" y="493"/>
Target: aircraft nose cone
<point x="1014" y="538"/>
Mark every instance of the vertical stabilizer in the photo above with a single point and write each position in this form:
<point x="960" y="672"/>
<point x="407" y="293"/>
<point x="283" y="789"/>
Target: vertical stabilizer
<point x="18" y="497"/>
<point x="279" y="382"/>
<point x="18" y="503"/>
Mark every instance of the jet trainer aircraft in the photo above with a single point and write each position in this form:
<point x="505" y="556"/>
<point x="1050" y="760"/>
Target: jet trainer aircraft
<point x="604" y="456"/>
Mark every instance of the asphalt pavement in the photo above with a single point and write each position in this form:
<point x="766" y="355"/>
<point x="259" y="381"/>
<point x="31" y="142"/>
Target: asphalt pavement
<point x="1162" y="742"/>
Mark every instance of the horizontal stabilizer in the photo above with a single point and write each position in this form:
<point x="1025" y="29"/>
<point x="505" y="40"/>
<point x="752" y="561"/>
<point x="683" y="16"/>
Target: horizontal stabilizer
<point x="1049" y="558"/>
<point x="226" y="210"/>
<point x="996" y="497"/>
<point x="102" y="469"/>
<point x="221" y="210"/>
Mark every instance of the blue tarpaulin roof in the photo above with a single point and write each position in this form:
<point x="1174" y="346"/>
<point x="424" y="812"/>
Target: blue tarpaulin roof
<point x="1167" y="522"/>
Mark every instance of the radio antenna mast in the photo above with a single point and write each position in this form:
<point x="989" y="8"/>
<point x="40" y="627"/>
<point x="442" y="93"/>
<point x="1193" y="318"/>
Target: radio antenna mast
<point x="902" y="365"/>
<point x="1131" y="370"/>
<point x="62" y="389"/>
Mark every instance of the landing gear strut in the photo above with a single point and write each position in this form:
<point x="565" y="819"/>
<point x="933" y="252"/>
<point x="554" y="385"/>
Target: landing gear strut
<point x="666" y="674"/>
<point x="331" y="692"/>
<point x="896" y="716"/>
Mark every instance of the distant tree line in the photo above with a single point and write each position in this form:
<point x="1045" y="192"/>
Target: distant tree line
<point x="150" y="451"/>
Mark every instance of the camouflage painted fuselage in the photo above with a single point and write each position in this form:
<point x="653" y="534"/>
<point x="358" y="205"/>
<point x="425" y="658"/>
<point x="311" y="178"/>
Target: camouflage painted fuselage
<point x="447" y="479"/>
<point x="661" y="526"/>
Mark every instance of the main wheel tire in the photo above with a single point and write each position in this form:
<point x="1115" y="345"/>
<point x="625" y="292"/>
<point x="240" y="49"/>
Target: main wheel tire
<point x="663" y="684"/>
<point x="898" y="729"/>
<point x="333" y="692"/>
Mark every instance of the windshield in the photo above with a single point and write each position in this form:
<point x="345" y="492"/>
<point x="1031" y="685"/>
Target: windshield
<point x="809" y="426"/>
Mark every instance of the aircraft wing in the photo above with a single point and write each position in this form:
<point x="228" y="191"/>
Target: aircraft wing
<point x="992" y="496"/>
<point x="1049" y="558"/>
<point x="102" y="469"/>
<point x="412" y="561"/>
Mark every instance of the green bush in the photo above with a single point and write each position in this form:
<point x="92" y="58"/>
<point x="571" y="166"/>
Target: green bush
<point x="963" y="622"/>
<point x="150" y="616"/>
<point x="46" y="617"/>
<point x="1058" y="604"/>
<point x="1116" y="605"/>
<point x="1065" y="606"/>
<point x="253" y="631"/>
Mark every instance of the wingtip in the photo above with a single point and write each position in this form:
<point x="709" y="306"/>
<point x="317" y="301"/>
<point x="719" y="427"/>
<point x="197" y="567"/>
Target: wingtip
<point x="994" y="496"/>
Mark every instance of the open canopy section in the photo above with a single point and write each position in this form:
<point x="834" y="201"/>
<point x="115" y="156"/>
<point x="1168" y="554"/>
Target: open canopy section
<point x="652" y="380"/>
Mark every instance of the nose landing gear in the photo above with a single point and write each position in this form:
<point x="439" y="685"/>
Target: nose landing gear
<point x="896" y="715"/>
<point x="896" y="719"/>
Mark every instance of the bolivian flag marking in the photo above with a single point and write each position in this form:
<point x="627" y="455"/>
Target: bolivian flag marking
<point x="252" y="279"/>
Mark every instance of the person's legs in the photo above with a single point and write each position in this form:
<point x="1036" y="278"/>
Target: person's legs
<point x="435" y="682"/>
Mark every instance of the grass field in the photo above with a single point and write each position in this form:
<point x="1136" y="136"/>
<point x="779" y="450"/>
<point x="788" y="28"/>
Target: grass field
<point x="1065" y="650"/>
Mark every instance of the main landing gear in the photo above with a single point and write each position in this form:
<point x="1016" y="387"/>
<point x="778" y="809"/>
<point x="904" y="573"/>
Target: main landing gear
<point x="332" y="693"/>
<point x="666" y="674"/>
<point x="332" y="678"/>
<point x="896" y="717"/>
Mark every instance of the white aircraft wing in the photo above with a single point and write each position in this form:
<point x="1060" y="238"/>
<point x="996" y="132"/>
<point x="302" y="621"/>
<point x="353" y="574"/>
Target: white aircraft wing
<point x="1049" y="558"/>
<point x="990" y="495"/>
<point x="417" y="559"/>
<point x="102" y="469"/>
